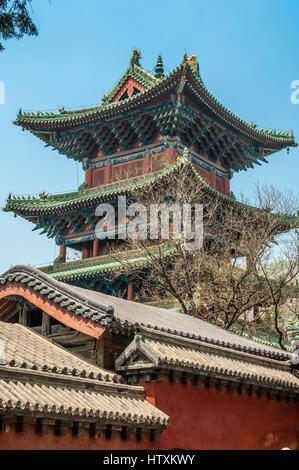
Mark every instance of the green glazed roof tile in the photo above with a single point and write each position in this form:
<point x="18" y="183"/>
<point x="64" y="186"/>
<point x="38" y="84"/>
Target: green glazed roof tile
<point x="100" y="265"/>
<point x="67" y="202"/>
<point x="154" y="87"/>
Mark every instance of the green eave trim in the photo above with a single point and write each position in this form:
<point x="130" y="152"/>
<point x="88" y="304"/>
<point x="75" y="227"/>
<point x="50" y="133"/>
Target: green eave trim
<point x="69" y="201"/>
<point x="50" y="121"/>
<point x="100" y="265"/>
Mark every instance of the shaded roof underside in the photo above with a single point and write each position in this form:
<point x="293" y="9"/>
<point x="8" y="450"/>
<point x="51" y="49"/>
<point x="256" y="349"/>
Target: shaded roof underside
<point x="56" y="206"/>
<point x="156" y="86"/>
<point x="184" y="80"/>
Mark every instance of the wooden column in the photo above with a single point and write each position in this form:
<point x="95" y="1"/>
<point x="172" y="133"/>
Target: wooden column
<point x="95" y="247"/>
<point x="63" y="253"/>
<point x="85" y="250"/>
<point x="107" y="173"/>
<point x="23" y="314"/>
<point x="213" y="180"/>
<point x="226" y="186"/>
<point x="46" y="324"/>
<point x="88" y="177"/>
<point x="103" y="248"/>
<point x="146" y="164"/>
<point x="100" y="350"/>
<point x="131" y="294"/>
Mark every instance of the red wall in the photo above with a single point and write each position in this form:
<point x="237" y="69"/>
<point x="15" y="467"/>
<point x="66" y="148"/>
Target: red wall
<point x="125" y="170"/>
<point x="208" y="419"/>
<point x="200" y="419"/>
<point x="31" y="441"/>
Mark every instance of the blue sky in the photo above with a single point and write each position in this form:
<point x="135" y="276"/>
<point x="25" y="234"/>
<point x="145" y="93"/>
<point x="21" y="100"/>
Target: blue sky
<point x="248" y="56"/>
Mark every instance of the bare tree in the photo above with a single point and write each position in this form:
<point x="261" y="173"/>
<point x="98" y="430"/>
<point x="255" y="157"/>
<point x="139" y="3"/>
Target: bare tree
<point x="279" y="267"/>
<point x="234" y="276"/>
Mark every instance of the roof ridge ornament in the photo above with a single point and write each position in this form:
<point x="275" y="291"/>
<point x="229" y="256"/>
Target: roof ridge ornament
<point x="184" y="159"/>
<point x="135" y="60"/>
<point x="191" y="62"/>
<point x="159" y="69"/>
<point x="185" y="58"/>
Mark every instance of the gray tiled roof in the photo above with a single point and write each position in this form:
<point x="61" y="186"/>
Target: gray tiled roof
<point x="60" y="293"/>
<point x="161" y="350"/>
<point x="131" y="313"/>
<point x="109" y="310"/>
<point x="22" y="347"/>
<point x="38" y="377"/>
<point x="66" y="400"/>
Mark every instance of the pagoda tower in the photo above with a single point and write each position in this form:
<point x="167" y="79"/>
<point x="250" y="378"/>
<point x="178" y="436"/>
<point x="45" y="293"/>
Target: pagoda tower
<point x="134" y="137"/>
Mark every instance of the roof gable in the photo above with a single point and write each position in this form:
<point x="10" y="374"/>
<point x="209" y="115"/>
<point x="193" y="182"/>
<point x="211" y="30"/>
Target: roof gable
<point x="155" y="351"/>
<point x="134" y="81"/>
<point x="131" y="87"/>
<point x="137" y="355"/>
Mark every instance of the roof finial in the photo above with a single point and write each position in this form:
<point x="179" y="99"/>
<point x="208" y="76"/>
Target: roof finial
<point x="185" y="58"/>
<point x="191" y="61"/>
<point x="135" y="60"/>
<point x="159" y="69"/>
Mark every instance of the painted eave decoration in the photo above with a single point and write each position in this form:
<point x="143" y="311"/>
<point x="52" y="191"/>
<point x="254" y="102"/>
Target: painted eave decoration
<point x="172" y="103"/>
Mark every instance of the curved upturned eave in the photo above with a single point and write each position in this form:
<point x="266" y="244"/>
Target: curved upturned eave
<point x="196" y="84"/>
<point x="71" y="201"/>
<point x="73" y="119"/>
<point x="62" y="204"/>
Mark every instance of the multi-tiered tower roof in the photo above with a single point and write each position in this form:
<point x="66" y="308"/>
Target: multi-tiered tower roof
<point x="130" y="141"/>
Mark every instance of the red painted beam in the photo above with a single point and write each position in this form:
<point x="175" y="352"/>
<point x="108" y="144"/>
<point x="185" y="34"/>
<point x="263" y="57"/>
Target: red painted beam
<point x="63" y="315"/>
